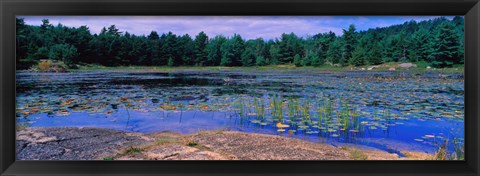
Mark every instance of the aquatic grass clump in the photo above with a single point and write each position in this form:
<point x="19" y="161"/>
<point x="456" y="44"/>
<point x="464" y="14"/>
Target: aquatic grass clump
<point x="443" y="154"/>
<point x="192" y="144"/>
<point x="259" y="107"/>
<point x="134" y="150"/>
<point x="358" y="154"/>
<point x="356" y="120"/>
<point x="108" y="159"/>
<point x="277" y="108"/>
<point x="459" y="149"/>
<point x="164" y="141"/>
<point x="291" y="105"/>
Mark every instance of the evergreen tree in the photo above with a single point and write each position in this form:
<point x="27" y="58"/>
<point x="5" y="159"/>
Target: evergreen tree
<point x="447" y="46"/>
<point x="438" y="41"/>
<point x="169" y="51"/>
<point x="358" y="57"/>
<point x="22" y="43"/>
<point x="322" y="43"/>
<point x="349" y="37"/>
<point x="289" y="46"/>
<point x="422" y="46"/>
<point x="316" y="60"/>
<point x="112" y="30"/>
<point x="214" y="50"/>
<point x="200" y="50"/>
<point x="249" y="54"/>
<point x="232" y="51"/>
<point x="64" y="52"/>
<point x="297" y="60"/>
<point x="334" y="52"/>
<point x="459" y="22"/>
<point x="186" y="51"/>
<point x="375" y="57"/>
<point x="153" y="36"/>
<point x="153" y="49"/>
<point x="399" y="47"/>
<point x="274" y="54"/>
<point x="261" y="61"/>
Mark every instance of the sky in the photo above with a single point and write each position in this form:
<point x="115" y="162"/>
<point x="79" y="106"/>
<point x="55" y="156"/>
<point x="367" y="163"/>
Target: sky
<point x="249" y="27"/>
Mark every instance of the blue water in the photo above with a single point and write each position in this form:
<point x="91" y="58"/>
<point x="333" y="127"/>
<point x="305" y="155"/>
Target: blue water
<point x="142" y="102"/>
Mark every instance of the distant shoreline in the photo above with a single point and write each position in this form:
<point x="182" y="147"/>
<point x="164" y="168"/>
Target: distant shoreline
<point x="389" y="67"/>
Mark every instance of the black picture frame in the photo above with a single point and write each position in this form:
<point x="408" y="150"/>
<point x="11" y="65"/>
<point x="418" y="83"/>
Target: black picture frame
<point x="10" y="8"/>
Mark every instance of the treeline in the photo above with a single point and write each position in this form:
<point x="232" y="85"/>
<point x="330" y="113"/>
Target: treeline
<point x="438" y="41"/>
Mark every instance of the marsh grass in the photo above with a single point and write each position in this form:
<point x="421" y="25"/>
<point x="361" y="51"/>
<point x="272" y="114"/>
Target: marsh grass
<point x="134" y="150"/>
<point x="164" y="141"/>
<point x="192" y="144"/>
<point x="358" y="154"/>
<point x="443" y="154"/>
<point x="459" y="147"/>
<point x="108" y="159"/>
<point x="21" y="126"/>
<point x="421" y="67"/>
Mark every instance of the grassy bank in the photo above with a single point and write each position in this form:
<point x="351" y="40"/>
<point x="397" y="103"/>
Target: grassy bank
<point x="391" y="66"/>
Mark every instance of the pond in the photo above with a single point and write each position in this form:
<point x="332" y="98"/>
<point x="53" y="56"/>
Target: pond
<point x="391" y="111"/>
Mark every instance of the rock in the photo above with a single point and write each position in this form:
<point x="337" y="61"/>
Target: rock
<point x="407" y="65"/>
<point x="373" y="67"/>
<point x="55" y="143"/>
<point x="162" y="152"/>
<point x="52" y="143"/>
<point x="241" y="146"/>
<point x="362" y="68"/>
<point x="391" y="69"/>
<point x="57" y="69"/>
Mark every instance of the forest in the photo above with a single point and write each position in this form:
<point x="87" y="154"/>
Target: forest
<point x="439" y="42"/>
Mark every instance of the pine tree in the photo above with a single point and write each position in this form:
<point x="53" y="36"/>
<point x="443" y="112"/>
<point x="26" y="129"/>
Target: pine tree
<point x="349" y="37"/>
<point x="169" y="50"/>
<point x="297" y="60"/>
<point x="334" y="52"/>
<point x="248" y="55"/>
<point x="261" y="61"/>
<point x="447" y="46"/>
<point x="153" y="36"/>
<point x="439" y="42"/>
<point x="315" y="60"/>
<point x="421" y="46"/>
<point x="186" y="48"/>
<point x="232" y="51"/>
<point x="289" y="46"/>
<point x="200" y="49"/>
<point x="274" y="54"/>
<point x="358" y="57"/>
<point x="375" y="57"/>
<point x="214" y="50"/>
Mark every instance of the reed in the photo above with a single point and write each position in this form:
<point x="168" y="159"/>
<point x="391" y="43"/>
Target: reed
<point x="356" y="119"/>
<point x="306" y="111"/>
<point x="291" y="108"/>
<point x="320" y="112"/>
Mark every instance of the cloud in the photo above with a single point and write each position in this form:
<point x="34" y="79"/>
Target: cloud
<point x="249" y="27"/>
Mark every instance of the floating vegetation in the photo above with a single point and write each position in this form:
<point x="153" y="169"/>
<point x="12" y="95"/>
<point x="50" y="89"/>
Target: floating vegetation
<point x="320" y="106"/>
